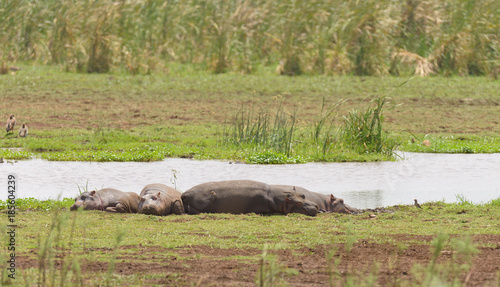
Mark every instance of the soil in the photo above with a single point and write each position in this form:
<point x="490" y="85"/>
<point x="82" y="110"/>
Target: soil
<point x="414" y="115"/>
<point x="206" y="266"/>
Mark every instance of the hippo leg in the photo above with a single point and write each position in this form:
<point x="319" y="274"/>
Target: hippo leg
<point x="111" y="209"/>
<point x="177" y="207"/>
<point x="123" y="208"/>
<point x="119" y="208"/>
<point x="192" y="210"/>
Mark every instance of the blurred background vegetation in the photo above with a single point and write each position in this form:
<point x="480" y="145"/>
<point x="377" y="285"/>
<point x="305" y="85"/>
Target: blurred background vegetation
<point x="358" y="37"/>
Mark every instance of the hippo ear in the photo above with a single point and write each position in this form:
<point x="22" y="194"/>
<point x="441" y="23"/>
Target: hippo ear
<point x="158" y="194"/>
<point x="332" y="198"/>
<point x="92" y="193"/>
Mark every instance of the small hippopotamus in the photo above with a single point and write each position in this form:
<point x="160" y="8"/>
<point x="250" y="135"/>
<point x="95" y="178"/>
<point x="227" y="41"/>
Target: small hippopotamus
<point x="326" y="203"/>
<point x="245" y="196"/>
<point x="159" y="199"/>
<point x="108" y="199"/>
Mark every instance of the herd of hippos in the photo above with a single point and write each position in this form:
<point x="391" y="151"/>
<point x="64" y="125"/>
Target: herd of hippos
<point x="233" y="196"/>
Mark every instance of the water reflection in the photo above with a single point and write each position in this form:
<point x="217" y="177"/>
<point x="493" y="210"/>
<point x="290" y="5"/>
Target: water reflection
<point x="427" y="177"/>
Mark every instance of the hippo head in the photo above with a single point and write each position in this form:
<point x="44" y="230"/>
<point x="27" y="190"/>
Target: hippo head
<point x="89" y="200"/>
<point x="296" y="203"/>
<point x="337" y="205"/>
<point x="154" y="204"/>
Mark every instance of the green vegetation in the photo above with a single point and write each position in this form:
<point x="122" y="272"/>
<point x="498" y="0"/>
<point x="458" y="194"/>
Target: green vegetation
<point x="455" y="144"/>
<point x="260" y="118"/>
<point x="320" y="37"/>
<point x="86" y="237"/>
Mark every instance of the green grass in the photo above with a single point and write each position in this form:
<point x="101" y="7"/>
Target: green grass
<point x="147" y="118"/>
<point x="463" y="144"/>
<point x="86" y="235"/>
<point x="254" y="230"/>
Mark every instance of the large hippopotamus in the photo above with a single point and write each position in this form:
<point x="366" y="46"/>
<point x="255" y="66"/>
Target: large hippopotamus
<point x="325" y="203"/>
<point x="245" y="196"/>
<point x="108" y="199"/>
<point x="159" y="199"/>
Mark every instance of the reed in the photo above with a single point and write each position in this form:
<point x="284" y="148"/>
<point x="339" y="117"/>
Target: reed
<point x="261" y="131"/>
<point x="363" y="129"/>
<point x="318" y="37"/>
<point x="272" y="138"/>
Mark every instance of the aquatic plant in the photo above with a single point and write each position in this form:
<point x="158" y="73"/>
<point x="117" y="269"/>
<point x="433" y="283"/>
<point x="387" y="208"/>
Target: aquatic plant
<point x="327" y="37"/>
<point x="363" y="129"/>
<point x="261" y="131"/>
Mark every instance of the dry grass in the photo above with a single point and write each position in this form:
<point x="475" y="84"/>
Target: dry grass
<point x="319" y="37"/>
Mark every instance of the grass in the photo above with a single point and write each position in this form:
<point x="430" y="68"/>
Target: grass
<point x="78" y="237"/>
<point x="145" y="118"/>
<point x="324" y="37"/>
<point x="454" y="144"/>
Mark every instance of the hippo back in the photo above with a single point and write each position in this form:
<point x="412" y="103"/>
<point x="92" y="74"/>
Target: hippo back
<point x="244" y="196"/>
<point x="236" y="196"/>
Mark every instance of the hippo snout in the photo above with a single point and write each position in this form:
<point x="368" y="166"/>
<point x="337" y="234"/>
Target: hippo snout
<point x="310" y="208"/>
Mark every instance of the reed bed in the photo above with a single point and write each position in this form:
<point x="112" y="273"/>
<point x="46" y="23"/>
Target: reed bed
<point x="314" y="37"/>
<point x="280" y="140"/>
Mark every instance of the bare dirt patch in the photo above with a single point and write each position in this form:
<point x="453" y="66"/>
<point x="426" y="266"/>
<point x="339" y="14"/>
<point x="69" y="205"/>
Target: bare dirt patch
<point x="206" y="266"/>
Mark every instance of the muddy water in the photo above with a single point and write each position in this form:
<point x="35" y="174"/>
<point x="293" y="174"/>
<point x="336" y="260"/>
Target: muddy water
<point x="427" y="177"/>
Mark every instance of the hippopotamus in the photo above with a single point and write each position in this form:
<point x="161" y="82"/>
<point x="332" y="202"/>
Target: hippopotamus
<point x="108" y="199"/>
<point x="159" y="199"/>
<point x="325" y="203"/>
<point x="245" y="196"/>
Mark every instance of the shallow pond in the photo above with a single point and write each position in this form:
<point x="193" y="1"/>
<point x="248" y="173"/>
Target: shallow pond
<point x="427" y="177"/>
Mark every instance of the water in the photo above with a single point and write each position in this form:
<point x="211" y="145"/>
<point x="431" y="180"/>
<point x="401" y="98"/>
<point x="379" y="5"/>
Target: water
<point x="427" y="177"/>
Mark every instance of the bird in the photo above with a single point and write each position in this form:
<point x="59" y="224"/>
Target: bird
<point x="416" y="203"/>
<point x="11" y="122"/>
<point x="23" y="131"/>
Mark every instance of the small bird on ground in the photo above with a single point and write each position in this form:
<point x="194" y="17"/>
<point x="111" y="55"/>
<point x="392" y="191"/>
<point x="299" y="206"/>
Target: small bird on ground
<point x="11" y="122"/>
<point x="23" y="131"/>
<point x="416" y="203"/>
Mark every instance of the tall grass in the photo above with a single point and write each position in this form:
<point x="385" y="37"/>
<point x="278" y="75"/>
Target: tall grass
<point x="325" y="36"/>
<point x="262" y="130"/>
<point x="363" y="129"/>
<point x="275" y="138"/>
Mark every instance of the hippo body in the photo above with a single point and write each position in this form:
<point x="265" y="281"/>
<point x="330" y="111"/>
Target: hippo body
<point x="326" y="203"/>
<point x="108" y="199"/>
<point x="244" y="196"/>
<point x="159" y="199"/>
